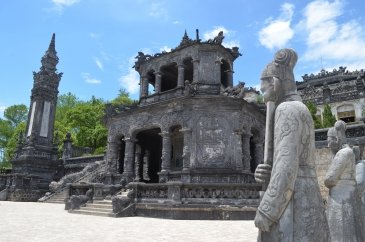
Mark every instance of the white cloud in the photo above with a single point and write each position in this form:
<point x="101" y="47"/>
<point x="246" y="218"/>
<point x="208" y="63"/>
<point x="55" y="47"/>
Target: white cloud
<point x="277" y="32"/>
<point x="99" y="63"/>
<point x="228" y="35"/>
<point x="94" y="35"/>
<point x="130" y="80"/>
<point x="157" y="10"/>
<point x="165" y="48"/>
<point x="65" y="3"/>
<point x="87" y="78"/>
<point x="176" y="22"/>
<point x="338" y="43"/>
<point x="59" y="5"/>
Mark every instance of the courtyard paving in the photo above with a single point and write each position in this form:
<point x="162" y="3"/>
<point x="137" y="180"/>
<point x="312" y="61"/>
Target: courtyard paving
<point x="43" y="222"/>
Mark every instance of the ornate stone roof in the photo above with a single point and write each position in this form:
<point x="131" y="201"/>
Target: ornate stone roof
<point x="185" y="42"/>
<point x="327" y="76"/>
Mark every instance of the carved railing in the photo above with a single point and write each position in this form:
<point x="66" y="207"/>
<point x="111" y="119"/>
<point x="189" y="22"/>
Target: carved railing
<point x="63" y="188"/>
<point x="4" y="171"/>
<point x="197" y="193"/>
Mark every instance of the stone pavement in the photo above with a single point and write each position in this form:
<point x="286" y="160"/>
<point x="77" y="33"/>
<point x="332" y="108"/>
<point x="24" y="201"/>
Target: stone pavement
<point x="43" y="222"/>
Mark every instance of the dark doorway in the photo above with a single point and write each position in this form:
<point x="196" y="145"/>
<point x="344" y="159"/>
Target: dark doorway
<point x="151" y="151"/>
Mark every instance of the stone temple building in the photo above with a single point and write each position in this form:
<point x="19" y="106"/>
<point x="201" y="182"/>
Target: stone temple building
<point x="343" y="90"/>
<point x="191" y="130"/>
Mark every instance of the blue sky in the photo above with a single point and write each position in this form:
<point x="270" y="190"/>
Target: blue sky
<point x="97" y="40"/>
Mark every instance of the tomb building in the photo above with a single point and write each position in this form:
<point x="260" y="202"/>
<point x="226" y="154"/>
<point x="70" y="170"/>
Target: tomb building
<point x="192" y="138"/>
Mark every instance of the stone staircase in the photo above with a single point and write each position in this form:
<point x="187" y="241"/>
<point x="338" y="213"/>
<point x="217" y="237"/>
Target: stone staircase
<point x="60" y="195"/>
<point x="58" y="198"/>
<point x="97" y="208"/>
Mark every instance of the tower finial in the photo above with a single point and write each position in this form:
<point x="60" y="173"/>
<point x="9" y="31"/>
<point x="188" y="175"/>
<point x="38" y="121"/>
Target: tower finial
<point x="52" y="45"/>
<point x="50" y="59"/>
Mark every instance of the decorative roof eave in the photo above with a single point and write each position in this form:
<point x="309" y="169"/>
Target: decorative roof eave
<point x="187" y="42"/>
<point x="330" y="77"/>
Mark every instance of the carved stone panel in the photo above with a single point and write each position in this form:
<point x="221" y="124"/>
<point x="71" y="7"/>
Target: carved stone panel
<point x="212" y="142"/>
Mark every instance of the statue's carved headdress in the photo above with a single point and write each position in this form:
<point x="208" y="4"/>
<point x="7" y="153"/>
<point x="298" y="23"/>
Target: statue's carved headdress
<point x="282" y="66"/>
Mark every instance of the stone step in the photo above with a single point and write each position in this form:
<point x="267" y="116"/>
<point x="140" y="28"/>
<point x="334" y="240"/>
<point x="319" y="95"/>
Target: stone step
<point x="55" y="201"/>
<point x="93" y="209"/>
<point x="105" y="206"/>
<point x="94" y="213"/>
<point x="101" y="202"/>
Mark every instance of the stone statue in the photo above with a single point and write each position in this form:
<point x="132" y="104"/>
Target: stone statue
<point x="217" y="39"/>
<point x="360" y="181"/>
<point x="291" y="208"/>
<point x="344" y="215"/>
<point x="77" y="201"/>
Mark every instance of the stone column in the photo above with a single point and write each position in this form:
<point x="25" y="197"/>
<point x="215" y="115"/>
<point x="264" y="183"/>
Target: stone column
<point x="144" y="88"/>
<point x="180" y="75"/>
<point x="229" y="74"/>
<point x="196" y="70"/>
<point x="258" y="142"/>
<point x="238" y="149"/>
<point x="112" y="154"/>
<point x="166" y="151"/>
<point x="129" y="158"/>
<point x="217" y="66"/>
<point x="246" y="151"/>
<point x="187" y="148"/>
<point x="137" y="162"/>
<point x="158" y="82"/>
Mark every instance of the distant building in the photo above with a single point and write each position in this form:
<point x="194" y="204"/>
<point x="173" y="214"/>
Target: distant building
<point x="343" y="90"/>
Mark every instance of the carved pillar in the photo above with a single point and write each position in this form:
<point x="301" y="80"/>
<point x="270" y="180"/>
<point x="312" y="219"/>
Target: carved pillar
<point x="166" y="152"/>
<point x="180" y="75"/>
<point x="238" y="149"/>
<point x="137" y="163"/>
<point x="129" y="158"/>
<point x="217" y="67"/>
<point x="144" y="88"/>
<point x="258" y="150"/>
<point x="146" y="165"/>
<point x="187" y="148"/>
<point x="229" y="74"/>
<point x="112" y="154"/>
<point x="246" y="151"/>
<point x="196" y="70"/>
<point x="158" y="82"/>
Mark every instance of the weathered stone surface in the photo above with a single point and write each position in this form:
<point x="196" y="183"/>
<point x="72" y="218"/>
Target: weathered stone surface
<point x="344" y="213"/>
<point x="291" y="208"/>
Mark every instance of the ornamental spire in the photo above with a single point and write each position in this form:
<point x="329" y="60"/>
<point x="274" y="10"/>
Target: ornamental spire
<point x="50" y="59"/>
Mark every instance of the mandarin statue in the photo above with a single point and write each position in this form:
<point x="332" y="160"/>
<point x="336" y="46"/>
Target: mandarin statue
<point x="291" y="208"/>
<point x="344" y="212"/>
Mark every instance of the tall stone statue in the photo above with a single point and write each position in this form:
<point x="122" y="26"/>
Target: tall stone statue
<point x="291" y="208"/>
<point x="344" y="213"/>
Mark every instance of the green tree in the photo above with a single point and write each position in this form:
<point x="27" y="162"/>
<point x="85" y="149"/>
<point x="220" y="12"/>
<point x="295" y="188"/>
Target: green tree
<point x="328" y="118"/>
<point x="313" y="110"/>
<point x="122" y="98"/>
<point x="10" y="127"/>
<point x="85" y="120"/>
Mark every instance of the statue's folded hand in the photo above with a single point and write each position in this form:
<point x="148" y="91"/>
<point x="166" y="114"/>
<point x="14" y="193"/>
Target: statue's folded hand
<point x="263" y="173"/>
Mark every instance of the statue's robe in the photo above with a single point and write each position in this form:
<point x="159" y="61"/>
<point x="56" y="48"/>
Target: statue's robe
<point x="344" y="212"/>
<point x="292" y="200"/>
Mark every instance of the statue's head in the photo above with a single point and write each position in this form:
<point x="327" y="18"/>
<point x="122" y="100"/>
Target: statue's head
<point x="277" y="79"/>
<point x="341" y="127"/>
<point x="332" y="140"/>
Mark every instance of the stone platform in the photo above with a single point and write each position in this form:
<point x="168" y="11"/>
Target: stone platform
<point x="49" y="222"/>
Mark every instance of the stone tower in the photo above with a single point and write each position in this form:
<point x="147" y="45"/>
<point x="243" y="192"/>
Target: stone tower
<point x="37" y="153"/>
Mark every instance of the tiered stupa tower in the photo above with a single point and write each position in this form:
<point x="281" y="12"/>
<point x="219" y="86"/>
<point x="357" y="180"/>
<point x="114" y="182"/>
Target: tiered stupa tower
<point x="37" y="152"/>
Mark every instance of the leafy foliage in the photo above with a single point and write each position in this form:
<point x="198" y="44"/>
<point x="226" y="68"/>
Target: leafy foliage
<point x="313" y="110"/>
<point x="328" y="118"/>
<point x="83" y="119"/>
<point x="10" y="127"/>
